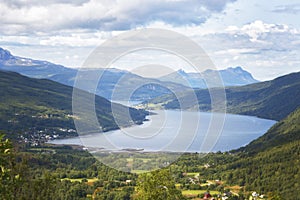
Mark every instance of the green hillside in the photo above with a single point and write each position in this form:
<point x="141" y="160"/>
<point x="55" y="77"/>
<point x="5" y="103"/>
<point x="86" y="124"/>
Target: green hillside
<point x="283" y="132"/>
<point x="36" y="105"/>
<point x="271" y="99"/>
<point x="271" y="164"/>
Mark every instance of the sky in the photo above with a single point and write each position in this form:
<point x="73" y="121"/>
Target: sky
<point x="261" y="36"/>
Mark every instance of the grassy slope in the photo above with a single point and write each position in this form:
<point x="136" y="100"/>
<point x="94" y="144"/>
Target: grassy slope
<point x="23" y="97"/>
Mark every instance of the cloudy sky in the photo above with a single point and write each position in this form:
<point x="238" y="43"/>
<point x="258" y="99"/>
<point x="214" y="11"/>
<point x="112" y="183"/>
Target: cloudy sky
<point x="261" y="36"/>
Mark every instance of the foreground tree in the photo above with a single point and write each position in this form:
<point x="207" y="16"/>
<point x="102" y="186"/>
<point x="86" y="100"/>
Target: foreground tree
<point x="157" y="185"/>
<point x="15" y="179"/>
<point x="9" y="179"/>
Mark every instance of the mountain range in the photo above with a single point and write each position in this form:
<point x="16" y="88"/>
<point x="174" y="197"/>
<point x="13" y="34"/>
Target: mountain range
<point x="233" y="76"/>
<point x="273" y="99"/>
<point x="120" y="80"/>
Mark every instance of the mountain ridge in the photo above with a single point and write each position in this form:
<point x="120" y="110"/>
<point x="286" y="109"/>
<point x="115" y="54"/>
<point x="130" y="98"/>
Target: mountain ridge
<point x="42" y="104"/>
<point x="273" y="99"/>
<point x="110" y="80"/>
<point x="232" y="76"/>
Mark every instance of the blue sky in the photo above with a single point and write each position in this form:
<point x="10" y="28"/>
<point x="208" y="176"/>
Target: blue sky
<point x="261" y="36"/>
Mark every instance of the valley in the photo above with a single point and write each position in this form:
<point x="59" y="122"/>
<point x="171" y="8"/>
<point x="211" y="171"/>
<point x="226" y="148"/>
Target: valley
<point x="149" y="100"/>
<point x="34" y="111"/>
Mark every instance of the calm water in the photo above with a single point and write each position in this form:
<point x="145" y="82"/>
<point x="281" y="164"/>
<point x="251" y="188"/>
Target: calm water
<point x="180" y="131"/>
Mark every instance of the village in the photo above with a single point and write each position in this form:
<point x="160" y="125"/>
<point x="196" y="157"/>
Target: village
<point x="36" y="137"/>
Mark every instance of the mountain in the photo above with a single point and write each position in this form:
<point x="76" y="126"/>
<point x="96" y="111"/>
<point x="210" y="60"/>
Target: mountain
<point x="111" y="79"/>
<point x="270" y="164"/>
<point x="121" y="85"/>
<point x="120" y="80"/>
<point x="41" y="105"/>
<point x="273" y="99"/>
<point x="231" y="77"/>
<point x="30" y="67"/>
<point x="284" y="132"/>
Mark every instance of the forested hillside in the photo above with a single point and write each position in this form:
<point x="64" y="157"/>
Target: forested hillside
<point x="37" y="105"/>
<point x="270" y="164"/>
<point x="271" y="99"/>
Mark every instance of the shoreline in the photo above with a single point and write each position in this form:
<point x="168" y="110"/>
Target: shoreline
<point x="229" y="139"/>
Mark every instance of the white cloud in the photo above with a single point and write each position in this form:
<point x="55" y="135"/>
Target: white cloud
<point x="42" y="16"/>
<point x="267" y="50"/>
<point x="31" y="3"/>
<point x="75" y="39"/>
<point x="262" y="37"/>
<point x="257" y="30"/>
<point x="290" y="9"/>
<point x="234" y="52"/>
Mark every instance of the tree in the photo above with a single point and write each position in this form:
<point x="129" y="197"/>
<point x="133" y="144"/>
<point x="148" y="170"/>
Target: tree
<point x="8" y="178"/>
<point x="15" y="181"/>
<point x="157" y="185"/>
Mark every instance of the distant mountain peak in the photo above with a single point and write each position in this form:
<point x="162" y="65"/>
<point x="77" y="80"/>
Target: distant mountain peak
<point x="28" y="66"/>
<point x="182" y="72"/>
<point x="237" y="74"/>
<point x="5" y="55"/>
<point x="237" y="69"/>
<point x="232" y="76"/>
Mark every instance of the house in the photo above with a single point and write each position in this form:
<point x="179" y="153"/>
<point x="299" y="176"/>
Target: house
<point x="207" y="195"/>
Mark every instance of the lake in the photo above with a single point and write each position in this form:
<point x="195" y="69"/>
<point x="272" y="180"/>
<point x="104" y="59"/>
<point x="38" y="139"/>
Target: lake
<point x="179" y="131"/>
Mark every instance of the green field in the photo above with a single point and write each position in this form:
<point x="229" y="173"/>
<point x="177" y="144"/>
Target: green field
<point x="138" y="171"/>
<point x="89" y="180"/>
<point x="192" y="174"/>
<point x="196" y="192"/>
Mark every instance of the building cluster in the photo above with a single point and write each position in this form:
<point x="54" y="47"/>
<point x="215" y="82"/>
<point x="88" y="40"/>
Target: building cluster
<point x="35" y="137"/>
